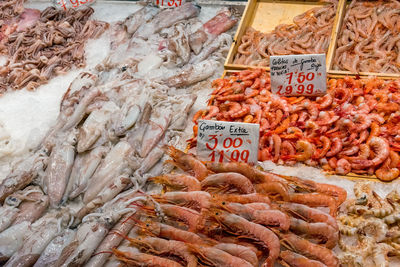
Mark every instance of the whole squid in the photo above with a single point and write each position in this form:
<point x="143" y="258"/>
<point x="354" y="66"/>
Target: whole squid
<point x="59" y="168"/>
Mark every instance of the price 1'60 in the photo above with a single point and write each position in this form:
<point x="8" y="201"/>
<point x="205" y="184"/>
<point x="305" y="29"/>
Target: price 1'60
<point x="231" y="149"/>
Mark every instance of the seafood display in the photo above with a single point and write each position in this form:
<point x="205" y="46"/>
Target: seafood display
<point x="371" y="222"/>
<point x="219" y="220"/>
<point x="369" y="38"/>
<point x="61" y="201"/>
<point x="45" y="44"/>
<point x="353" y="128"/>
<point x="309" y="33"/>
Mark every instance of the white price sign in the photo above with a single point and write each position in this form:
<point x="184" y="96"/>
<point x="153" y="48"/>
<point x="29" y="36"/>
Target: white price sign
<point x="228" y="141"/>
<point x="298" y="75"/>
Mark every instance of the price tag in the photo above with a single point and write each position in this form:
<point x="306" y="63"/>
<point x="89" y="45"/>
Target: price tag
<point x="298" y="75"/>
<point x="228" y="141"/>
<point x="168" y="3"/>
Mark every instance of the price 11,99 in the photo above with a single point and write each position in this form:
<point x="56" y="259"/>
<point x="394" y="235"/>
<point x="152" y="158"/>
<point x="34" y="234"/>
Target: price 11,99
<point x="231" y="149"/>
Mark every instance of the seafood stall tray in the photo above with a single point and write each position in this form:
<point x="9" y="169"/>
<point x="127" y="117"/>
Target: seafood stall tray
<point x="265" y="15"/>
<point x="349" y="176"/>
<point x="333" y="47"/>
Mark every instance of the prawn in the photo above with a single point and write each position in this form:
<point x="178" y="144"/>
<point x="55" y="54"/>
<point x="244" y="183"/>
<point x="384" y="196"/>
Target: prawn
<point x="328" y="234"/>
<point x="193" y="199"/>
<point x="242" y="199"/>
<point x="315" y="200"/>
<point x="239" y="251"/>
<point x="332" y="190"/>
<point x="336" y="147"/>
<point x="386" y="172"/>
<point x="217" y="257"/>
<point x="343" y="167"/>
<point x="306" y="149"/>
<point x="188" y="216"/>
<point x="297" y="260"/>
<point x="381" y="149"/>
<point x="253" y="174"/>
<point x="177" y="181"/>
<point x="160" y="246"/>
<point x="314" y="251"/>
<point x="188" y="162"/>
<point x="261" y="216"/>
<point x="255" y="231"/>
<point x="326" y="144"/>
<point x="227" y="182"/>
<point x="273" y="187"/>
<point x="137" y="258"/>
<point x="309" y="214"/>
<point x="168" y="232"/>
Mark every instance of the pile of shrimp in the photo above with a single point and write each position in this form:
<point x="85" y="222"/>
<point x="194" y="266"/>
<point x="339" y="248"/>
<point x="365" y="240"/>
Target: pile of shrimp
<point x="373" y="223"/>
<point x="232" y="214"/>
<point x="369" y="39"/>
<point x="353" y="128"/>
<point x="309" y="34"/>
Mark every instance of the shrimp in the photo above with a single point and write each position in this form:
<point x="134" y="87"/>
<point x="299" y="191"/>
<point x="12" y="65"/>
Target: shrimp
<point x="239" y="251"/>
<point x="168" y="232"/>
<point x="261" y="216"/>
<point x="243" y="227"/>
<point x="332" y="190"/>
<point x="324" y="102"/>
<point x="253" y="174"/>
<point x="379" y="254"/>
<point x="325" y="148"/>
<point x="273" y="187"/>
<point x="212" y="111"/>
<point x="178" y="181"/>
<point x="217" y="257"/>
<point x="306" y="149"/>
<point x="228" y="181"/>
<point x="242" y="199"/>
<point x="300" y="245"/>
<point x="328" y="234"/>
<point x="188" y="162"/>
<point x="375" y="129"/>
<point x="315" y="200"/>
<point x="386" y="172"/>
<point x="297" y="260"/>
<point x="336" y="147"/>
<point x="309" y="214"/>
<point x="160" y="246"/>
<point x="193" y="199"/>
<point x="364" y="246"/>
<point x="343" y="167"/>
<point x="381" y="149"/>
<point x="137" y="258"/>
<point x="235" y="97"/>
<point x="188" y="216"/>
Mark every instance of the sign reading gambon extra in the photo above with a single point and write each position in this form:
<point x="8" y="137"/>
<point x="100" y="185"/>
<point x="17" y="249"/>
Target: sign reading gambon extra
<point x="220" y="141"/>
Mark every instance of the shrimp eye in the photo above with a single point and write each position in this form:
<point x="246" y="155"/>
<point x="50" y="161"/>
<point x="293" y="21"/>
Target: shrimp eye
<point x="223" y="203"/>
<point x="217" y="213"/>
<point x="147" y="224"/>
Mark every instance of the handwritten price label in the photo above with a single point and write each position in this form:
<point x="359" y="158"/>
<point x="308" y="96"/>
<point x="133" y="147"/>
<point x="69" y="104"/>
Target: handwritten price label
<point x="65" y="4"/>
<point x="168" y="3"/>
<point x="298" y="75"/>
<point x="227" y="141"/>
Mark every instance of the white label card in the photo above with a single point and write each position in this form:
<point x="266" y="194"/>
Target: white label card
<point x="298" y="75"/>
<point x="220" y="141"/>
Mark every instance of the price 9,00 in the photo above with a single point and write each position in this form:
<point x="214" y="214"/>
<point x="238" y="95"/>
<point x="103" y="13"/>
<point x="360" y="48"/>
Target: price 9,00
<point x="232" y="149"/>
